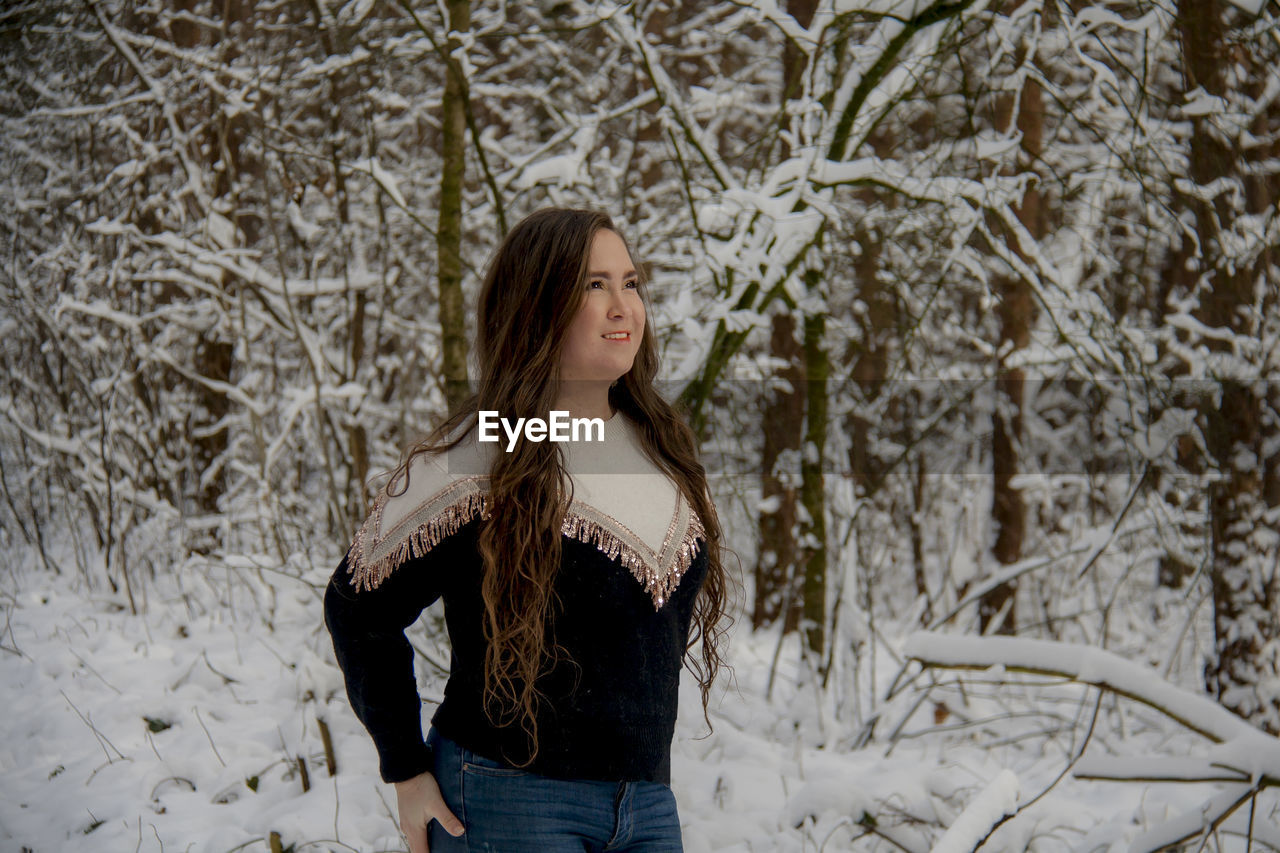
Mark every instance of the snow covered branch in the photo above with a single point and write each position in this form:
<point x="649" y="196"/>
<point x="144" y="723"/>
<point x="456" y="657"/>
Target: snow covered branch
<point x="1243" y="756"/>
<point x="1090" y="665"/>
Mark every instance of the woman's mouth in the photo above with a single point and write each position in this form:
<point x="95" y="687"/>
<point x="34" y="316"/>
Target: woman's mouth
<point x="617" y="336"/>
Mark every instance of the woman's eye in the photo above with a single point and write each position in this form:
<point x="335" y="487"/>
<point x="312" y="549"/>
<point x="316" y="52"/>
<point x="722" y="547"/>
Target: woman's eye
<point x="595" y="284"/>
<point x="632" y="283"/>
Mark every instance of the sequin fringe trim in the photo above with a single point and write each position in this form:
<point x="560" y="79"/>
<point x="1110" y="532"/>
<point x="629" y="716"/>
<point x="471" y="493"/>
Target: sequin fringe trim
<point x="425" y="537"/>
<point x="657" y="582"/>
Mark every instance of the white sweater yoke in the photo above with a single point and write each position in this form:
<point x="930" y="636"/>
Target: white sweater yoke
<point x="622" y="503"/>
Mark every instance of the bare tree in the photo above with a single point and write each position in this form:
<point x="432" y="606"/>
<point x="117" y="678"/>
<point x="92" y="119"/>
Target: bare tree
<point x="1021" y="114"/>
<point x="1246" y="590"/>
<point x="449" y="230"/>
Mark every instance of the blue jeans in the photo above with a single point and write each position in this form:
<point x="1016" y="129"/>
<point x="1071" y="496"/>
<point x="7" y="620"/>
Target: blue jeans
<point x="506" y="810"/>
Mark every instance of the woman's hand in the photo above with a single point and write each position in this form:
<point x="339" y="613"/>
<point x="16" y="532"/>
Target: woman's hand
<point x="418" y="800"/>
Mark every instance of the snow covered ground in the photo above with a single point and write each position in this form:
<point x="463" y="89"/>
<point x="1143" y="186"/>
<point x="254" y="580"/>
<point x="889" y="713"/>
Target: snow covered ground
<point x="180" y="729"/>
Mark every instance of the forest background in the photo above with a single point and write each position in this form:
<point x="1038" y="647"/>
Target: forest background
<point x="973" y="305"/>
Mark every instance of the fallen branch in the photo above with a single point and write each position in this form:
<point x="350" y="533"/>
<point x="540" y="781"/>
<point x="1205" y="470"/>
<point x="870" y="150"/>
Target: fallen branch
<point x="986" y="811"/>
<point x="325" y="738"/>
<point x="1100" y="668"/>
<point x="1245" y="757"/>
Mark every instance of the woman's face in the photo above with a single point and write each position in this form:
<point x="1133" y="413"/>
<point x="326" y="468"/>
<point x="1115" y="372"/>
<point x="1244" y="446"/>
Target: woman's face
<point x="604" y="337"/>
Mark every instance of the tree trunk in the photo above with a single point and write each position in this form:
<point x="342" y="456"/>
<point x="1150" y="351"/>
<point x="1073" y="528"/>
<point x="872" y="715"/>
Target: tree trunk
<point x="356" y="433"/>
<point x="214" y="352"/>
<point x="777" y="570"/>
<point x="453" y="139"/>
<point x="782" y="425"/>
<point x="997" y="610"/>
<point x="869" y="354"/>
<point x="812" y="480"/>
<point x="1245" y="595"/>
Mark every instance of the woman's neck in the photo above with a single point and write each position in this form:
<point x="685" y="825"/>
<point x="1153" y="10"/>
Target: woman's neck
<point x="584" y="400"/>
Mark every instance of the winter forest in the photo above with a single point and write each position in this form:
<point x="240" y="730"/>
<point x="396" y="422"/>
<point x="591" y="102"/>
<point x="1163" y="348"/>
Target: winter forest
<point x="973" y="305"/>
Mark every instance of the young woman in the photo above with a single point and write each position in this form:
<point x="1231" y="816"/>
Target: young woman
<point x="576" y="575"/>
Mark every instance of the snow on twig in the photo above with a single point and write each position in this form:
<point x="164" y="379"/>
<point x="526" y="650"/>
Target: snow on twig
<point x="990" y="807"/>
<point x="1091" y="666"/>
<point x="1243" y="755"/>
<point x="1211" y="814"/>
<point x="1126" y="768"/>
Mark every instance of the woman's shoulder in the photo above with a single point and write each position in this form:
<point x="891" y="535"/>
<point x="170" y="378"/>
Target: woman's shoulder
<point x="430" y="499"/>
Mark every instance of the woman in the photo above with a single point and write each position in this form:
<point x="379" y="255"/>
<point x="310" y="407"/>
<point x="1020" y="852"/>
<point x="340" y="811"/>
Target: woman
<point x="576" y="575"/>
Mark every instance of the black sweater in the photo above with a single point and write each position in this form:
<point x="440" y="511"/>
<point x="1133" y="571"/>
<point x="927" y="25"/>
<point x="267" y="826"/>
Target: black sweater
<point x="609" y="710"/>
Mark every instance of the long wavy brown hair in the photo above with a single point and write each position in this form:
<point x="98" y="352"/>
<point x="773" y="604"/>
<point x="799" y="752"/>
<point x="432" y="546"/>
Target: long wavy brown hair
<point x="532" y="289"/>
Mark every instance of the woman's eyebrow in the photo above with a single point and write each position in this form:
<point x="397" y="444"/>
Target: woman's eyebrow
<point x="601" y="274"/>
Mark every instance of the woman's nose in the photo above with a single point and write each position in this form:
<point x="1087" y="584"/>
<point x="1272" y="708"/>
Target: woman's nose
<point x="617" y="305"/>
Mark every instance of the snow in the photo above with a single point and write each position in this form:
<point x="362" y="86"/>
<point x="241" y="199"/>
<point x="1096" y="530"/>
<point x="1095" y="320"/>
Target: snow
<point x="91" y="676"/>
<point x="1253" y="7"/>
<point x="220" y="231"/>
<point x="1160" y="436"/>
<point x="1095" y="666"/>
<point x="1189" y="824"/>
<point x="306" y="231"/>
<point x="1146" y="767"/>
<point x="180" y="727"/>
<point x="372" y="167"/>
<point x="232" y="664"/>
<point x="997" y="800"/>
<point x="1200" y="103"/>
<point x="205" y="263"/>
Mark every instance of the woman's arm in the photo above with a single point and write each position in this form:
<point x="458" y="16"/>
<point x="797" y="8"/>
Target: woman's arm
<point x="376" y="659"/>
